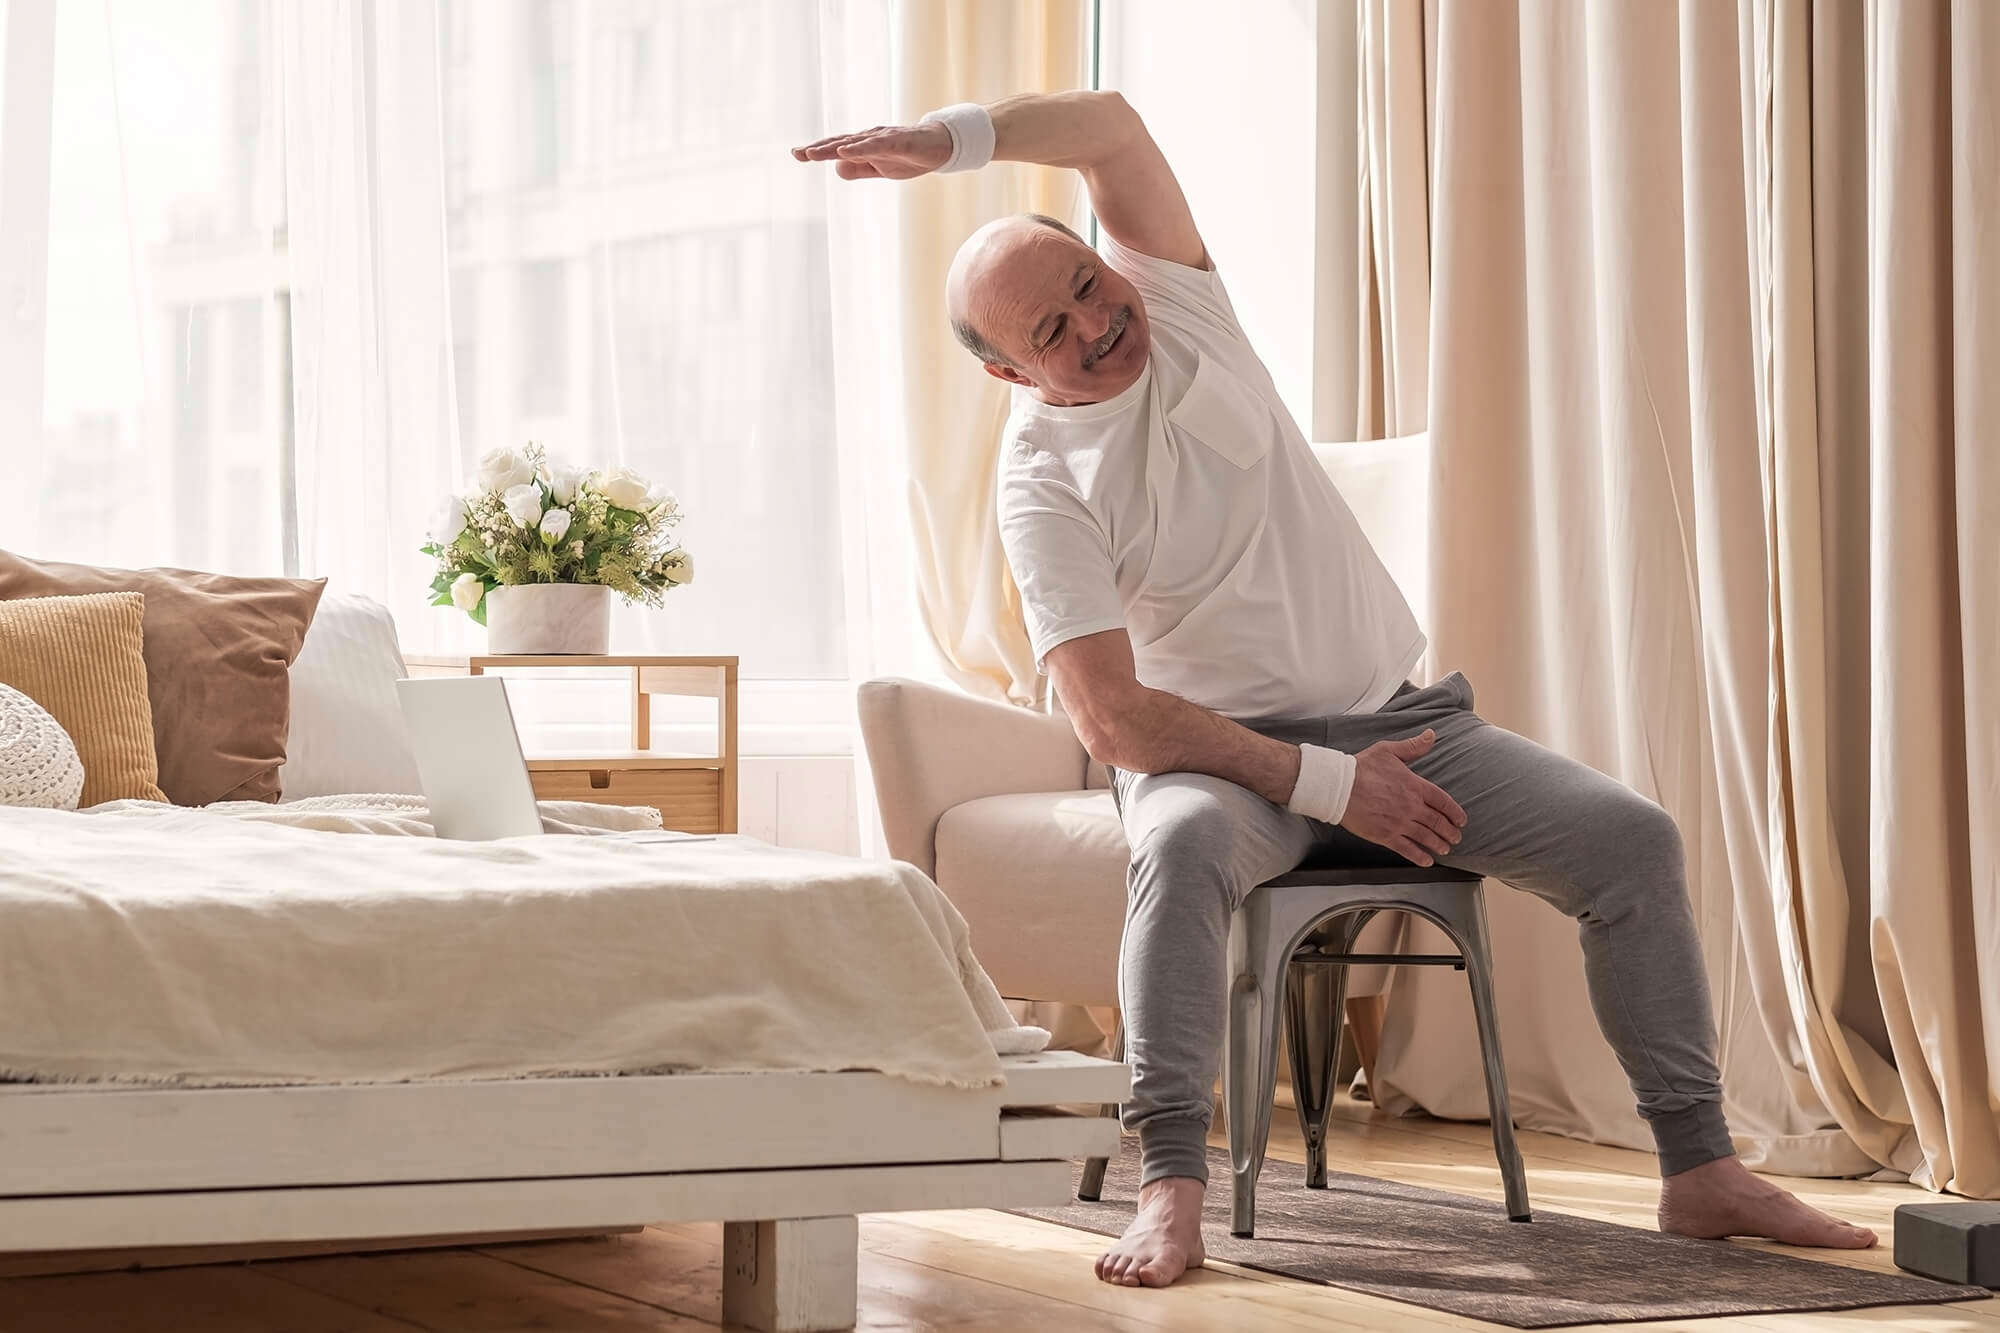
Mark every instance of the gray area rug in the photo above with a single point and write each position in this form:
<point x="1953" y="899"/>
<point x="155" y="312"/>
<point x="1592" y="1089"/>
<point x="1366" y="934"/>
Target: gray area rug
<point x="1462" y="1256"/>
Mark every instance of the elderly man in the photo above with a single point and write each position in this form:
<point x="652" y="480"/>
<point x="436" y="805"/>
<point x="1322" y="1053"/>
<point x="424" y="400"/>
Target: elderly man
<point x="1227" y="642"/>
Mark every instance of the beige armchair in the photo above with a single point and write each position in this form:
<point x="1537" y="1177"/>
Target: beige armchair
<point x="1003" y="808"/>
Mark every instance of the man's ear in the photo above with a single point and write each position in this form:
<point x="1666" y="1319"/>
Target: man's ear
<point x="1008" y="373"/>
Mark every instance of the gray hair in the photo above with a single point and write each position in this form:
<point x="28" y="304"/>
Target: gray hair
<point x="972" y="339"/>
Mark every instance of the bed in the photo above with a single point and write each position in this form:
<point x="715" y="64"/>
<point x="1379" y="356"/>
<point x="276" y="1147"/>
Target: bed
<point x="312" y="1022"/>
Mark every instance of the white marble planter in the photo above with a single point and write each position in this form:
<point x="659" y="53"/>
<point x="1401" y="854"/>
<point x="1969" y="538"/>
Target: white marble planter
<point x="549" y="618"/>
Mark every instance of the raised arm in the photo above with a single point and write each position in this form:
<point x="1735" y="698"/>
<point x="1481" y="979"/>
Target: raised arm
<point x="1132" y="189"/>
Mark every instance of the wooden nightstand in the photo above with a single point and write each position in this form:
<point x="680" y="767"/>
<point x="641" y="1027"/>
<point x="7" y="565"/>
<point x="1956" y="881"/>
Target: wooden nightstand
<point x="695" y="793"/>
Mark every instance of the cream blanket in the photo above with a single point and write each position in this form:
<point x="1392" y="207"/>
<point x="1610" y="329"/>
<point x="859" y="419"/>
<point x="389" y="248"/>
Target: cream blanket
<point x="249" y="944"/>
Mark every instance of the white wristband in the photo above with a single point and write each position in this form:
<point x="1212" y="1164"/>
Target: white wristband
<point x="1326" y="780"/>
<point x="971" y="131"/>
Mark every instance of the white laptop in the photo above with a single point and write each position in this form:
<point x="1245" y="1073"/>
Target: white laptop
<point x="469" y="757"/>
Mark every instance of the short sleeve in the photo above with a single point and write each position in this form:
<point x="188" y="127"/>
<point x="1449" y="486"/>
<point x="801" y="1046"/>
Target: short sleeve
<point x="1060" y="559"/>
<point x="1192" y="295"/>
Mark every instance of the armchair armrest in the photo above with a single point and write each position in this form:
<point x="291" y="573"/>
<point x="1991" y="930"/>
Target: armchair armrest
<point x="930" y="749"/>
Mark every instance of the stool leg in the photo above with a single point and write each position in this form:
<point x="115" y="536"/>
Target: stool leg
<point x="1469" y="926"/>
<point x="1314" y="1003"/>
<point x="1250" y="1065"/>
<point x="1091" y="1187"/>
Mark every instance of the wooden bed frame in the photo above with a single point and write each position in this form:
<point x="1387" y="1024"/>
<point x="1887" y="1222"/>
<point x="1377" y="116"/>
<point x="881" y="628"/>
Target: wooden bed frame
<point x="786" y="1161"/>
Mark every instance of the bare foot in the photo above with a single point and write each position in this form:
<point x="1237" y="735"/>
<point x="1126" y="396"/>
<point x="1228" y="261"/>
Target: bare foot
<point x="1164" y="1239"/>
<point x="1721" y="1198"/>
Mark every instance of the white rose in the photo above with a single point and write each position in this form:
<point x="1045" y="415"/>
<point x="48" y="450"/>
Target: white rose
<point x="524" y="503"/>
<point x="678" y="567"/>
<point x="563" y="483"/>
<point x="466" y="590"/>
<point x="624" y="488"/>
<point x="503" y="468"/>
<point x="662" y="502"/>
<point x="554" y="524"/>
<point x="449" y="520"/>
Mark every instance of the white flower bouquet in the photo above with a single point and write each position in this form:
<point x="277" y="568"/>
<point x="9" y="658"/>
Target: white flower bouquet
<point x="532" y="520"/>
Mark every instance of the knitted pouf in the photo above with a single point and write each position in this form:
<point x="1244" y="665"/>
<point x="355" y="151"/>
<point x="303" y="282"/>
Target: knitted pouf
<point x="38" y="761"/>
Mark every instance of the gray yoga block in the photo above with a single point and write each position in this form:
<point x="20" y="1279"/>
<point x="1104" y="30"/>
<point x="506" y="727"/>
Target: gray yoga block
<point x="1953" y="1242"/>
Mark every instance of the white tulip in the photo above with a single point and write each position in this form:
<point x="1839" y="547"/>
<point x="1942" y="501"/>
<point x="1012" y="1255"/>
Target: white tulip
<point x="466" y="590"/>
<point x="524" y="504"/>
<point x="678" y="567"/>
<point x="502" y="468"/>
<point x="624" y="488"/>
<point x="449" y="520"/>
<point x="563" y="483"/>
<point x="555" y="523"/>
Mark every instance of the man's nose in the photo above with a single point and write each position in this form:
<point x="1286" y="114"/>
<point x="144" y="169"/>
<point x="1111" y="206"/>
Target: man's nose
<point x="1092" y="323"/>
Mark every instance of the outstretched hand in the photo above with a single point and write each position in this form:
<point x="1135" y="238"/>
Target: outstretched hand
<point x="1394" y="807"/>
<point x="886" y="152"/>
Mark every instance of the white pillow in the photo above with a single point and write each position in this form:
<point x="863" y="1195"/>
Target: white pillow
<point x="347" y="728"/>
<point x="38" y="762"/>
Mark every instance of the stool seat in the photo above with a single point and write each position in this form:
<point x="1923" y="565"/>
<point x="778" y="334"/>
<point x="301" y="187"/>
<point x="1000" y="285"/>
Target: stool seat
<point x="1290" y="944"/>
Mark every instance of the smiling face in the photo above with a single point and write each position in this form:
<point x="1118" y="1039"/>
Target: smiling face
<point x="1043" y="309"/>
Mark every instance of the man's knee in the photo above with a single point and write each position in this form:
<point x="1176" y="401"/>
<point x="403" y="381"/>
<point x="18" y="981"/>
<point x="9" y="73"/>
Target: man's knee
<point x="1639" y="857"/>
<point x="1195" y="850"/>
<point x="1647" y="839"/>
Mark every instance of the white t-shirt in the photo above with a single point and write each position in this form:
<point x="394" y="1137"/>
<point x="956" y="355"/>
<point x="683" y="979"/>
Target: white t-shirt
<point x="1190" y="511"/>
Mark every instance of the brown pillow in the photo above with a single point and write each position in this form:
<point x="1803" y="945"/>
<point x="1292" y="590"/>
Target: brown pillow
<point x="82" y="659"/>
<point x="218" y="652"/>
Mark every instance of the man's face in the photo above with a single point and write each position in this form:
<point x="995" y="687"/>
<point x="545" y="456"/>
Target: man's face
<point x="1074" y="329"/>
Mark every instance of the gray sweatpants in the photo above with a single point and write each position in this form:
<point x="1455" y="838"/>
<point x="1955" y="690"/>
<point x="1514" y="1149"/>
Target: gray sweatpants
<point x="1590" y="846"/>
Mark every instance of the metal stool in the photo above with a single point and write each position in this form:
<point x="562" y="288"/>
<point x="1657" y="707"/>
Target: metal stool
<point x="1298" y="929"/>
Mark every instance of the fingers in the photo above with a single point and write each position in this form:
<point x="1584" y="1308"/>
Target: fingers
<point x="1439" y="800"/>
<point x="1412" y="747"/>
<point x="819" y="150"/>
<point x="1408" y="850"/>
<point x="1428" y="838"/>
<point x="1438" y="825"/>
<point x="855" y="171"/>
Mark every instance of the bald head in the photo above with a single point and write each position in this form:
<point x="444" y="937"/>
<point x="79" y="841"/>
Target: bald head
<point x="1040" y="308"/>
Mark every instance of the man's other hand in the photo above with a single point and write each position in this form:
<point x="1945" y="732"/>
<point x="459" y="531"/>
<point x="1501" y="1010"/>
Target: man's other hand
<point x="887" y="152"/>
<point x="1395" y="808"/>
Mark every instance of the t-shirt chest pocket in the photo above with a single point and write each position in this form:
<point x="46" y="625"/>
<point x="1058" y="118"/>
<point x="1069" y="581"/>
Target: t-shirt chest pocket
<point x="1224" y="414"/>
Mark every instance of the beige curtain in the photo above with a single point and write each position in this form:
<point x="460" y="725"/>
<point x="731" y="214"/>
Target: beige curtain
<point x="1372" y="358"/>
<point x="956" y="51"/>
<point x="1714" y="510"/>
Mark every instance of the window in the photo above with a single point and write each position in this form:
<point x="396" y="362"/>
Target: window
<point x="671" y="310"/>
<point x="159" y="441"/>
<point x="637" y="275"/>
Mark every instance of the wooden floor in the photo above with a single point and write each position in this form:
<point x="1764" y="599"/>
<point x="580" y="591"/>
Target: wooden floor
<point x="955" y="1270"/>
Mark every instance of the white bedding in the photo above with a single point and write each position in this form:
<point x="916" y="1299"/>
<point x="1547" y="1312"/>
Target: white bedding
<point x="253" y="944"/>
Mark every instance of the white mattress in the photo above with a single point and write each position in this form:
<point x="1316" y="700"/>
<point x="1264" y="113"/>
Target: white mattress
<point x="238" y="945"/>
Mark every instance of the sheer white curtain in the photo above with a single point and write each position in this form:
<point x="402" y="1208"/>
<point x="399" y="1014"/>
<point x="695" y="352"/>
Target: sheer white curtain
<point x="371" y="324"/>
<point x="291" y="266"/>
<point x="577" y="225"/>
<point x="144" y="290"/>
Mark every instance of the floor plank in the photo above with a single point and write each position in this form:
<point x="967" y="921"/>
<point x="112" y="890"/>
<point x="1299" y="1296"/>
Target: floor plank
<point x="463" y="1291"/>
<point x="221" y="1299"/>
<point x="678" y="1267"/>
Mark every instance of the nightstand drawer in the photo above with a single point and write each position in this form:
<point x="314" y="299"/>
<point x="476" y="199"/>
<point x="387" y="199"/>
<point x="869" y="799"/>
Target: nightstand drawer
<point x="688" y="799"/>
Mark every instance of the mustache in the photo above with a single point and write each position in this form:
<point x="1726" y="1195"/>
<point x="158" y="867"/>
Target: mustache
<point x="1119" y="319"/>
